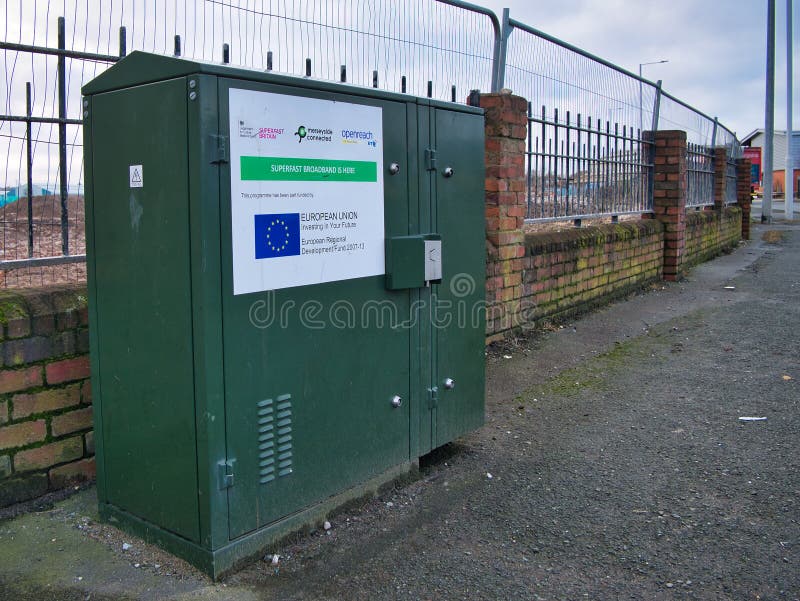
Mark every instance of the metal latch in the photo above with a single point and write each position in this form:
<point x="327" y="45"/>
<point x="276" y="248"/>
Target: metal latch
<point x="433" y="397"/>
<point x="433" y="261"/>
<point x="219" y="149"/>
<point x="226" y="473"/>
<point x="430" y="159"/>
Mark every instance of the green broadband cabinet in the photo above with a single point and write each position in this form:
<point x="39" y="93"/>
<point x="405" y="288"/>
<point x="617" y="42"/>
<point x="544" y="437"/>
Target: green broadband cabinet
<point x="286" y="296"/>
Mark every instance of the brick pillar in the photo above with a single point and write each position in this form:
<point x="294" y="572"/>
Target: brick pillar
<point x="669" y="196"/>
<point x="506" y="130"/>
<point x="743" y="190"/>
<point x="720" y="167"/>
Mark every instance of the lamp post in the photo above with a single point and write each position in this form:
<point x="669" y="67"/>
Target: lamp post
<point x="640" y="89"/>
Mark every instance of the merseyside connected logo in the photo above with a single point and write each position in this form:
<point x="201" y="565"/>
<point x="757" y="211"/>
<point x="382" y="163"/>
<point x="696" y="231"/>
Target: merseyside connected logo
<point x="314" y="134"/>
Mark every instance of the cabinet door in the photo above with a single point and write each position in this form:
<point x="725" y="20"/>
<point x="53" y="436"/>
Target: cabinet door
<point x="459" y="329"/>
<point x="142" y="293"/>
<point x="310" y="370"/>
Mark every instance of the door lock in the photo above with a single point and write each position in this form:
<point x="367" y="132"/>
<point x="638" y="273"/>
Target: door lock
<point x="448" y="172"/>
<point x="449" y="383"/>
<point x="397" y="400"/>
<point x="394" y="169"/>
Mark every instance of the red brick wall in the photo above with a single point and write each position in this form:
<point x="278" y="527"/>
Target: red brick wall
<point x="743" y="198"/>
<point x="506" y="132"/>
<point x="535" y="276"/>
<point x="669" y="196"/>
<point x="532" y="276"/>
<point x="710" y="233"/>
<point x="569" y="272"/>
<point x="46" y="440"/>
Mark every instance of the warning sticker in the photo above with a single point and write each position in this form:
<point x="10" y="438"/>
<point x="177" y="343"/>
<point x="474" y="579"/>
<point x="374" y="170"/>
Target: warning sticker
<point x="306" y="191"/>
<point x="136" y="177"/>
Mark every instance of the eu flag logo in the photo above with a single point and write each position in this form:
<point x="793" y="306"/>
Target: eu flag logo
<point x="277" y="235"/>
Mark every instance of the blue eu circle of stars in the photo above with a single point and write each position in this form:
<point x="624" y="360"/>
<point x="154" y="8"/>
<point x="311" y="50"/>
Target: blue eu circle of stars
<point x="278" y="235"/>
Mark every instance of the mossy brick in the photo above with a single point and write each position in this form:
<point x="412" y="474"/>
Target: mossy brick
<point x="43" y="325"/>
<point x="67" y="320"/>
<point x="67" y="370"/>
<point x="64" y="343"/>
<point x="17" y="490"/>
<point x="23" y="434"/>
<point x="5" y="466"/>
<point x="12" y="380"/>
<point x="3" y="411"/>
<point x="72" y="473"/>
<point x="508" y="252"/>
<point x="45" y="401"/>
<point x="73" y="421"/>
<point x="12" y="306"/>
<point x="18" y="327"/>
<point x="49" y="455"/>
<point x="510" y="237"/>
<point x="27" y="350"/>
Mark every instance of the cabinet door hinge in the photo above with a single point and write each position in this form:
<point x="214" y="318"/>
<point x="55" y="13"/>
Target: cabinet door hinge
<point x="219" y="149"/>
<point x="226" y="473"/>
<point x="430" y="159"/>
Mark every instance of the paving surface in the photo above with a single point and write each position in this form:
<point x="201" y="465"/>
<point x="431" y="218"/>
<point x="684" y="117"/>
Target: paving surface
<point x="620" y="469"/>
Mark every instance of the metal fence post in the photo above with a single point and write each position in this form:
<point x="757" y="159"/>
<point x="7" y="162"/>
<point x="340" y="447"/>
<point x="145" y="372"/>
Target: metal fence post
<point x="500" y="50"/>
<point x="62" y="134"/>
<point x="714" y="133"/>
<point x="123" y="50"/>
<point x="28" y="141"/>
<point x="656" y="106"/>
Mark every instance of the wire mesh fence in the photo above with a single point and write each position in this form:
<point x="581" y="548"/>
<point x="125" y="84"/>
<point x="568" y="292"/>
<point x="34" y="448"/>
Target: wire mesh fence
<point x="587" y="153"/>
<point x="552" y="73"/>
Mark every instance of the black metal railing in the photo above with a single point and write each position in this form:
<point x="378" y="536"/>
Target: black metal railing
<point x="580" y="167"/>
<point x="699" y="175"/>
<point x="730" y="180"/>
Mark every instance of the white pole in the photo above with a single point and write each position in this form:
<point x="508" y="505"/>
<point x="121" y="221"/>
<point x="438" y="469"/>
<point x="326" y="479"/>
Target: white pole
<point x="789" y="165"/>
<point x="769" y="115"/>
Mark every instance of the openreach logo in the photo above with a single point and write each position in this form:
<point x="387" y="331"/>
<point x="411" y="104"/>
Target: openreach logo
<point x="313" y="134"/>
<point x="355" y="136"/>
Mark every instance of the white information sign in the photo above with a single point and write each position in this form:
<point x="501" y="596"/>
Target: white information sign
<point x="306" y="191"/>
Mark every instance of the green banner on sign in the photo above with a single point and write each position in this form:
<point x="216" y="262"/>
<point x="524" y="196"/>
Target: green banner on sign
<point x="307" y="170"/>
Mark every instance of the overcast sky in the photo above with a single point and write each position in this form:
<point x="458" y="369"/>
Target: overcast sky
<point x="716" y="48"/>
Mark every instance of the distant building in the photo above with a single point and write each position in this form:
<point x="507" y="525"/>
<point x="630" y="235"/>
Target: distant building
<point x="14" y="193"/>
<point x="8" y="195"/>
<point x="755" y="139"/>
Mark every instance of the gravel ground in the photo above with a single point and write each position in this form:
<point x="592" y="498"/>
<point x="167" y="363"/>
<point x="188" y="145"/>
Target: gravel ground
<point x="613" y="465"/>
